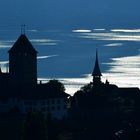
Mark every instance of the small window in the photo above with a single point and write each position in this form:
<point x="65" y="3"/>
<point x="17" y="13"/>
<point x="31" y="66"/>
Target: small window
<point x="65" y="107"/>
<point x="28" y="109"/>
<point x="48" y="102"/>
<point x="43" y="103"/>
<point x="29" y="103"/>
<point x="48" y="108"/>
<point x="58" y="101"/>
<point x="43" y="109"/>
<point x="58" y="107"/>
<point x="53" y="101"/>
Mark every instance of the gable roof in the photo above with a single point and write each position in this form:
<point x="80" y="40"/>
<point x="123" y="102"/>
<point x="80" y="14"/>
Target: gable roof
<point x="22" y="45"/>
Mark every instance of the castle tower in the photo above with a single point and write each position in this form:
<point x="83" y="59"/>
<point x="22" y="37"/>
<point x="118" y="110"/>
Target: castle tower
<point x="23" y="62"/>
<point x="96" y="71"/>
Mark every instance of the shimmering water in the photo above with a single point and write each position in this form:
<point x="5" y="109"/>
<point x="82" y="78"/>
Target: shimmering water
<point x="68" y="55"/>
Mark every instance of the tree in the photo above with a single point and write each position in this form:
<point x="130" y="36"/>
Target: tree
<point x="55" y="86"/>
<point x="87" y="88"/>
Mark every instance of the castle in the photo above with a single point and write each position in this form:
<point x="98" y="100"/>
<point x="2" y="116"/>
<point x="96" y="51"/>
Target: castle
<point x="19" y="89"/>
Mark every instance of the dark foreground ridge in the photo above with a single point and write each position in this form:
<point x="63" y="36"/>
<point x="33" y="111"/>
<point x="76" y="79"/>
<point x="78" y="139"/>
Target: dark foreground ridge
<point x="31" y="110"/>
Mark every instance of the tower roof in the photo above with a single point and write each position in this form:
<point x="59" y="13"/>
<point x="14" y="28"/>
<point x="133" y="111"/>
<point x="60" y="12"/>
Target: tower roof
<point x="96" y="70"/>
<point x="22" y="45"/>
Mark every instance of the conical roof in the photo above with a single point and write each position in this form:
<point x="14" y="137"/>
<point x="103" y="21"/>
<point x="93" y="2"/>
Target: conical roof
<point x="96" y="70"/>
<point x="22" y="45"/>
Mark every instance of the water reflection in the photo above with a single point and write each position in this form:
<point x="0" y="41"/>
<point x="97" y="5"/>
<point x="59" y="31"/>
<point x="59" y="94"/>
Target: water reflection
<point x="124" y="72"/>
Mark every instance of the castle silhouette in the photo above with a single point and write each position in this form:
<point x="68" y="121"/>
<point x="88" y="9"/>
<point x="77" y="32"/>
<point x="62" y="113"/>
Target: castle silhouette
<point x="98" y="110"/>
<point x="19" y="88"/>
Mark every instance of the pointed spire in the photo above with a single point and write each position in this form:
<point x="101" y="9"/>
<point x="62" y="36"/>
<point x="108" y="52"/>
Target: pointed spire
<point x="96" y="71"/>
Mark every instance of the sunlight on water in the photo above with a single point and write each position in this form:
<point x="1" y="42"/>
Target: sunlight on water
<point x="81" y="31"/>
<point x="111" y="36"/>
<point x="99" y="29"/>
<point x="47" y="56"/>
<point x="32" y="30"/>
<point x="114" y="45"/>
<point x="123" y="72"/>
<point x="126" y="30"/>
<point x="4" y="65"/>
<point x="5" y="44"/>
<point x="43" y="41"/>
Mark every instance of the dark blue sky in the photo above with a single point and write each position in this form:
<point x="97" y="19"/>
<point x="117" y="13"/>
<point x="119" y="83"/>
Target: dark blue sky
<point x="70" y="13"/>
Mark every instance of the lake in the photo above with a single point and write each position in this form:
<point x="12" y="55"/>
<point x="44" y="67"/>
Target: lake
<point x="69" y="55"/>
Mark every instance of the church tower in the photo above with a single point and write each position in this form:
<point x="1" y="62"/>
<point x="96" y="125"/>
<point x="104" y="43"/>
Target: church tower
<point x="96" y="71"/>
<point x="23" y="62"/>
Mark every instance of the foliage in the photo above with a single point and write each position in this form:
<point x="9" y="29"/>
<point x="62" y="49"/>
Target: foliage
<point x="55" y="85"/>
<point x="84" y="90"/>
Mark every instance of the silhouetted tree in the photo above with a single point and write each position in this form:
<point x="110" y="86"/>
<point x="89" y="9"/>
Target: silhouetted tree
<point x="87" y="88"/>
<point x="55" y="86"/>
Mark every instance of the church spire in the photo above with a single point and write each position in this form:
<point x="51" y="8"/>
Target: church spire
<point x="96" y="71"/>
